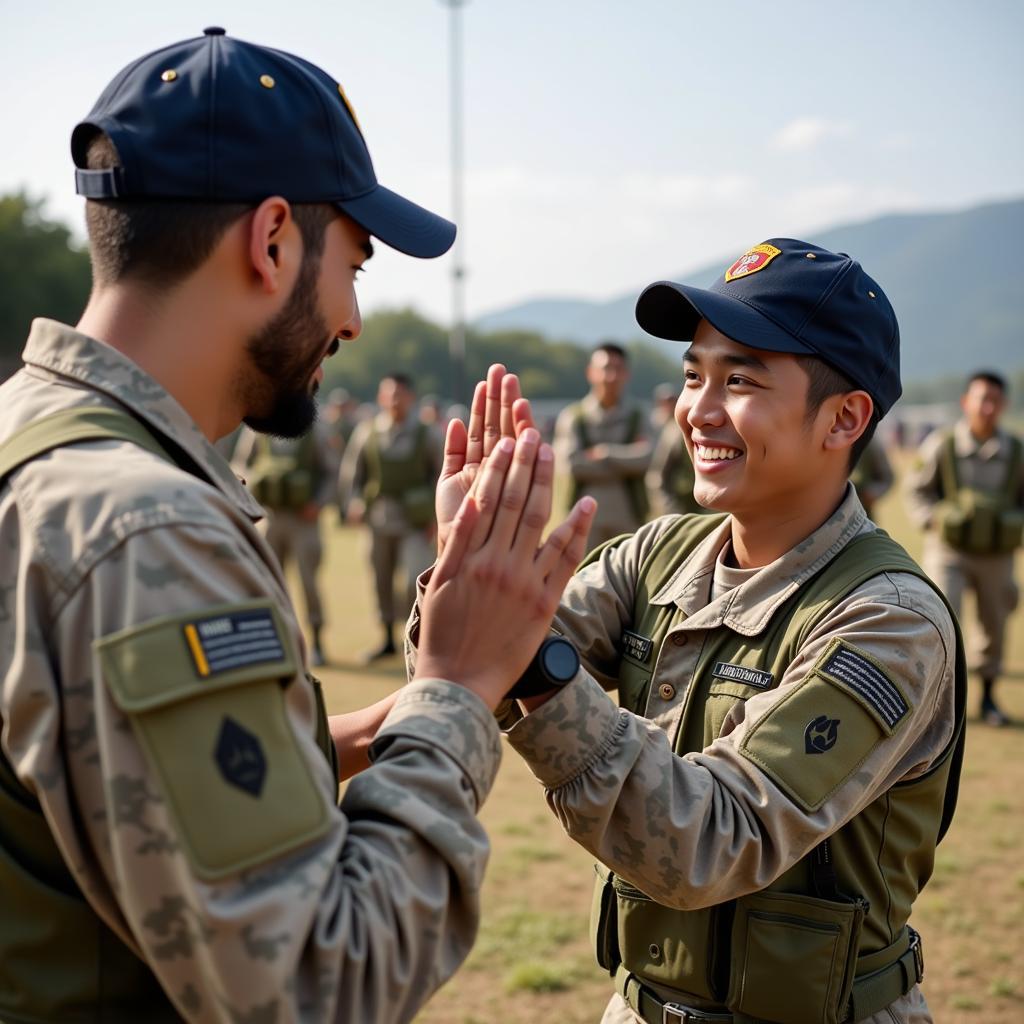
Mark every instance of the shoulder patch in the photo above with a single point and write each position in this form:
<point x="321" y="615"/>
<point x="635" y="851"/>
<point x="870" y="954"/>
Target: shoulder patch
<point x="861" y="675"/>
<point x="205" y="697"/>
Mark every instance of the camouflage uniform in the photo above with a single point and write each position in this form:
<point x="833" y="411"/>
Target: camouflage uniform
<point x="195" y="815"/>
<point x="610" y="481"/>
<point x="701" y="829"/>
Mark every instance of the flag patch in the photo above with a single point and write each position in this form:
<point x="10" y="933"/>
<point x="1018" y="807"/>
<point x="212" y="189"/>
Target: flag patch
<point x="856" y="672"/>
<point x="741" y="674"/>
<point x="233" y="640"/>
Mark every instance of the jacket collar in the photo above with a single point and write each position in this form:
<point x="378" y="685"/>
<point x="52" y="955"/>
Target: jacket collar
<point x="69" y="354"/>
<point x="967" y="445"/>
<point x="748" y="607"/>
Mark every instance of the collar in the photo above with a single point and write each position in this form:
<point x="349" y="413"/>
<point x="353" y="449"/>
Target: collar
<point x="748" y="607"/>
<point x="967" y="445"/>
<point x="97" y="366"/>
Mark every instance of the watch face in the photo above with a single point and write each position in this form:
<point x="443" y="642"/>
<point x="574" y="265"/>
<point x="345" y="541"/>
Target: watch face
<point x="561" y="662"/>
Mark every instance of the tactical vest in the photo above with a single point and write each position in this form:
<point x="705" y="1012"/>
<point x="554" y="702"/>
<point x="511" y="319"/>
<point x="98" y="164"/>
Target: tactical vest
<point x="974" y="521"/>
<point x="59" y="962"/>
<point x="405" y="479"/>
<point x="284" y="481"/>
<point x="816" y="946"/>
<point x="636" y="489"/>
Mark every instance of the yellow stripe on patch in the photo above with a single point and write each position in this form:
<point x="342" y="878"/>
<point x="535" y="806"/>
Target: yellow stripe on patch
<point x="192" y="636"/>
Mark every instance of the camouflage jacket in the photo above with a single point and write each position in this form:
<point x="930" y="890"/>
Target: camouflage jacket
<point x="172" y="749"/>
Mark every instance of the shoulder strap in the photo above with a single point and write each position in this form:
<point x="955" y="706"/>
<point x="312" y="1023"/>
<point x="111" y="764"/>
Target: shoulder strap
<point x="74" y="426"/>
<point x="947" y="467"/>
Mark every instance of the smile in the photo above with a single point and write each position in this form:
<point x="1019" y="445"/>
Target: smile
<point x="717" y="453"/>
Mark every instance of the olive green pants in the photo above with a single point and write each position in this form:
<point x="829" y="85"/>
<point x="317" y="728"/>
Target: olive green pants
<point x="413" y="553"/>
<point x="995" y="595"/>
<point x="291" y="536"/>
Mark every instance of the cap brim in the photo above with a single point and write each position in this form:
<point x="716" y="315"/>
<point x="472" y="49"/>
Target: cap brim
<point x="400" y="223"/>
<point x="673" y="311"/>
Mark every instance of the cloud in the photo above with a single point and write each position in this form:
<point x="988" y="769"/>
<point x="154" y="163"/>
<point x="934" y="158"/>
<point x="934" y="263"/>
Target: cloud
<point x="806" y="133"/>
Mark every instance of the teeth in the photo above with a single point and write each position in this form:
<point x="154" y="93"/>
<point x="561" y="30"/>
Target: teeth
<point x="717" y="453"/>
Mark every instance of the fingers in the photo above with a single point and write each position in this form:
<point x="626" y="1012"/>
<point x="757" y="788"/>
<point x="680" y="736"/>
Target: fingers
<point x="455" y="444"/>
<point x="515" y="493"/>
<point x="492" y="408"/>
<point x="565" y="547"/>
<point x="538" y="505"/>
<point x="487" y="489"/>
<point x="522" y="416"/>
<point x="475" y="439"/>
<point x="510" y="394"/>
<point x="457" y="544"/>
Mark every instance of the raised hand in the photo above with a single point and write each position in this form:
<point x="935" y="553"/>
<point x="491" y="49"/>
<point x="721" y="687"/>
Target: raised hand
<point x="498" y="410"/>
<point x="495" y="588"/>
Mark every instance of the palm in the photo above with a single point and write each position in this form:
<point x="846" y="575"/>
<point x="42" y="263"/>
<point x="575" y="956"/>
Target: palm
<point x="498" y="410"/>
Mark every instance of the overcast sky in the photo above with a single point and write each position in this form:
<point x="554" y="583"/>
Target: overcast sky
<point x="607" y="144"/>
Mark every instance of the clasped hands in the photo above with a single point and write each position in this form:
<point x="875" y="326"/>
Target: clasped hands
<point x="497" y="582"/>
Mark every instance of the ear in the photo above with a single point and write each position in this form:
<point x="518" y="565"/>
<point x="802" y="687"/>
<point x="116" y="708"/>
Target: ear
<point x="851" y="414"/>
<point x="275" y="245"/>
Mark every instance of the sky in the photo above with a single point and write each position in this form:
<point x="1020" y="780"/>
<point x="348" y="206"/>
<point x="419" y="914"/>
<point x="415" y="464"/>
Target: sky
<point x="607" y="145"/>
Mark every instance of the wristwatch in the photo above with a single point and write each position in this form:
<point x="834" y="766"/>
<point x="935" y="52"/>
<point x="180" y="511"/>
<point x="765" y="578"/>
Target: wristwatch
<point x="555" y="664"/>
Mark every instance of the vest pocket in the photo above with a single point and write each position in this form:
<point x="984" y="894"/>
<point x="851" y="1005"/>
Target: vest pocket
<point x="602" y="921"/>
<point x="793" y="957"/>
<point x="664" y="945"/>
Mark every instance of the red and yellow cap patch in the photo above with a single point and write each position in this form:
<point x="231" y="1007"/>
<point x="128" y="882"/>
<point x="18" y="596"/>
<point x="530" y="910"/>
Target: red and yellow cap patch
<point x="752" y="261"/>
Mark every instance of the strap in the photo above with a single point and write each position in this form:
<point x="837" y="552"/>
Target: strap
<point x="948" y="476"/>
<point x="649" y="1007"/>
<point x="1012" y="483"/>
<point x="876" y="991"/>
<point x="73" y="426"/>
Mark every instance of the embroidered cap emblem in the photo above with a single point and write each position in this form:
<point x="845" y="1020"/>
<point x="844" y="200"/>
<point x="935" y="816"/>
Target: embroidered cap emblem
<point x="821" y="734"/>
<point x="752" y="261"/>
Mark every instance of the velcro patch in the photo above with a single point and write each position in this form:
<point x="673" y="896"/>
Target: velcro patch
<point x="232" y="640"/>
<point x="741" y="674"/>
<point x="857" y="672"/>
<point x="636" y="646"/>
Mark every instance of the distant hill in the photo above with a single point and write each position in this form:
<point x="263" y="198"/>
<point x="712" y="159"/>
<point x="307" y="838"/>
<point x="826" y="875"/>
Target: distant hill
<point x="952" y="278"/>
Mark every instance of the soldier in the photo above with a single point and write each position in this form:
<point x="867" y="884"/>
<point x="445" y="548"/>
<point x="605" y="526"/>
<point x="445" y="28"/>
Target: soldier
<point x="670" y="479"/>
<point x="967" y="492"/>
<point x="388" y="478"/>
<point x="603" y="440"/>
<point x="765" y="803"/>
<point x="292" y="479"/>
<point x="872" y="476"/>
<point x="171" y="846"/>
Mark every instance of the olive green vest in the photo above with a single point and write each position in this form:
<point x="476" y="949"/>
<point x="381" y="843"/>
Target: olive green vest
<point x="407" y="480"/>
<point x="974" y="521"/>
<point x="636" y="489"/>
<point x="286" y="482"/>
<point x="791" y="953"/>
<point x="59" y="963"/>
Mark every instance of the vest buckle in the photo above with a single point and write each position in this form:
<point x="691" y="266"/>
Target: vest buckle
<point x="676" y="1013"/>
<point x="915" y="947"/>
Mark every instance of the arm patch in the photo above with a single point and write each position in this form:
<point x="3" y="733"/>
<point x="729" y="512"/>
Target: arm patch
<point x="205" y="698"/>
<point x="818" y="735"/>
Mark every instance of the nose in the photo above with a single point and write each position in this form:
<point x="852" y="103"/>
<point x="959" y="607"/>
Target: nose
<point x="354" y="327"/>
<point x="699" y="407"/>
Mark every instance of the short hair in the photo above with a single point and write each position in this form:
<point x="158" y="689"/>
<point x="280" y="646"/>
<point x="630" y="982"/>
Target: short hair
<point x="612" y="348"/>
<point x="824" y="381"/>
<point x="161" y="241"/>
<point x="403" y="380"/>
<point x="990" y="377"/>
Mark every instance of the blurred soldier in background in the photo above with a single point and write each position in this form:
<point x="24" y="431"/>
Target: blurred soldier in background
<point x="670" y="478"/>
<point x="388" y="478"/>
<point x="292" y="479"/>
<point x="967" y="492"/>
<point x="872" y="476"/>
<point x="663" y="406"/>
<point x="339" y="420"/>
<point x="604" y="442"/>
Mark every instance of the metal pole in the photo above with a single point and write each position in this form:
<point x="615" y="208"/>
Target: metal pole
<point x="457" y="337"/>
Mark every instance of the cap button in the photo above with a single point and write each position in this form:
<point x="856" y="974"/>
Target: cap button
<point x="214" y="30"/>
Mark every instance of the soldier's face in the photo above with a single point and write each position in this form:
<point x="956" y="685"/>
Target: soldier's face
<point x="983" y="403"/>
<point x="743" y="414"/>
<point x="395" y="399"/>
<point x="607" y="374"/>
<point x="321" y="312"/>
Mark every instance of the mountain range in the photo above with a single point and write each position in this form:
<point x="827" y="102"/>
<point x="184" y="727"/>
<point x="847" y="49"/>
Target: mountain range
<point x="950" y="276"/>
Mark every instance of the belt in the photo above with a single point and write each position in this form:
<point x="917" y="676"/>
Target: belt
<point x="871" y="992"/>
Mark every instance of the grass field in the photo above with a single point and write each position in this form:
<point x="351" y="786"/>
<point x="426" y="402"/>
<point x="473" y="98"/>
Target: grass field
<point x="532" y="962"/>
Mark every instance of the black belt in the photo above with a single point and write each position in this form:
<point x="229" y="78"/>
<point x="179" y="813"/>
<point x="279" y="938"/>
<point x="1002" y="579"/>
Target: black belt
<point x="871" y="992"/>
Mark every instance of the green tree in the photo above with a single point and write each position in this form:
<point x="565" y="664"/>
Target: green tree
<point x="41" y="274"/>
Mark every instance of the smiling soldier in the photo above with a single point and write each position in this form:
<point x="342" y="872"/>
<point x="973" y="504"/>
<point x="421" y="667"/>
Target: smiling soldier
<point x="765" y="803"/>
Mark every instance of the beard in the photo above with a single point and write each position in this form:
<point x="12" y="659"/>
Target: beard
<point x="284" y="355"/>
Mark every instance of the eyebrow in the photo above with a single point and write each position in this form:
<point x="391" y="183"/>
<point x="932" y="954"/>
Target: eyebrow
<point x="367" y="248"/>
<point x="731" y="360"/>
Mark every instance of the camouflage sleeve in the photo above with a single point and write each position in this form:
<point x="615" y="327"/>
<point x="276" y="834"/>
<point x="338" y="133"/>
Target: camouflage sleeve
<point x="213" y="814"/>
<point x="923" y="487"/>
<point x="703" y="828"/>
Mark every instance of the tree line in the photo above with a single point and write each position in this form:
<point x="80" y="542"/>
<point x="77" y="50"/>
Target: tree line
<point x="44" y="273"/>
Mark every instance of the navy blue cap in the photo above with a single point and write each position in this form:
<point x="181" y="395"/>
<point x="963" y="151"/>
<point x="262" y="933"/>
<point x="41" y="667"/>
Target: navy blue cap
<point x="219" y="119"/>
<point x="789" y="296"/>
